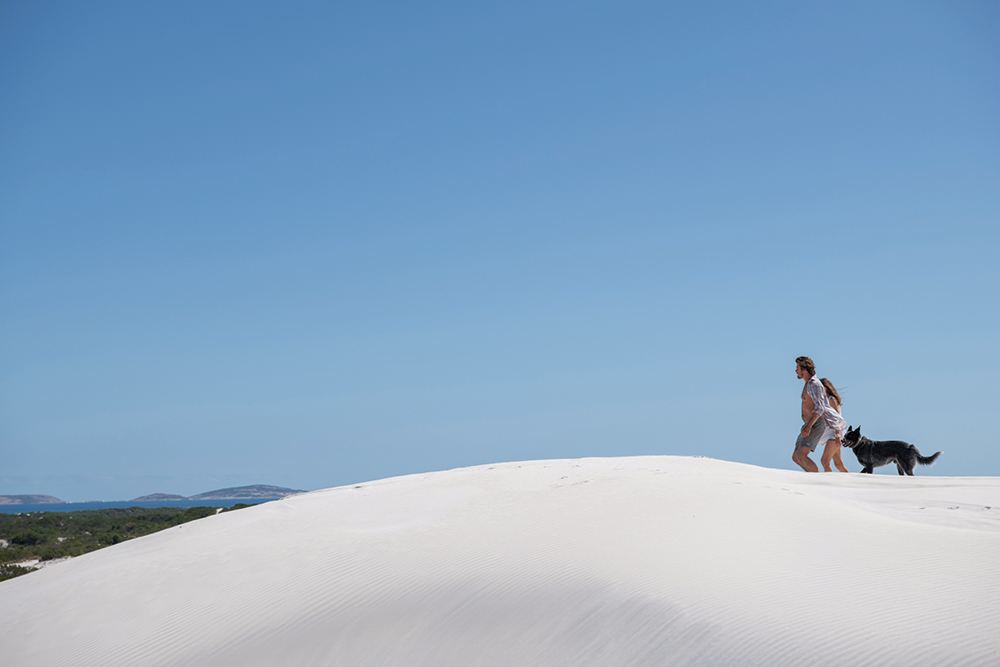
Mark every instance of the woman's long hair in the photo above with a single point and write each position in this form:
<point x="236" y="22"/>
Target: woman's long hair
<point x="831" y="391"/>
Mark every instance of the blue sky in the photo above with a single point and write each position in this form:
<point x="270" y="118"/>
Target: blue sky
<point x="310" y="244"/>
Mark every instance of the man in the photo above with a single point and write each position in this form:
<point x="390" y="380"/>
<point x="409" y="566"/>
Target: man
<point x="816" y="413"/>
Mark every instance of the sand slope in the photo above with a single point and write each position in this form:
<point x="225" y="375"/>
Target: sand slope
<point x="629" y="561"/>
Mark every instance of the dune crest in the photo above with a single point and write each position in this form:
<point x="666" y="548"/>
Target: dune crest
<point x="624" y="561"/>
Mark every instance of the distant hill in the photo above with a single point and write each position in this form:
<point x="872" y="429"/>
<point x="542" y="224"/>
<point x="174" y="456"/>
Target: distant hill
<point x="244" y="492"/>
<point x="252" y="492"/>
<point x="29" y="500"/>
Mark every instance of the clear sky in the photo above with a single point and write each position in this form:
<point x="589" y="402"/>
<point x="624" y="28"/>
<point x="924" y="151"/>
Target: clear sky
<point x="311" y="244"/>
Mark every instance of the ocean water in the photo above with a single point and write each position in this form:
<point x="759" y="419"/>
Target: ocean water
<point x="76" y="507"/>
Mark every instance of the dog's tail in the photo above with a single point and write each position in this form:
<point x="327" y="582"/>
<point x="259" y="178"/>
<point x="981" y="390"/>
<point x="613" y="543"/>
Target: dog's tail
<point x="927" y="460"/>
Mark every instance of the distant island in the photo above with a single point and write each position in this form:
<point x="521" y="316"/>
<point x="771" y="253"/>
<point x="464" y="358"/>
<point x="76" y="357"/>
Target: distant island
<point x="29" y="500"/>
<point x="253" y="492"/>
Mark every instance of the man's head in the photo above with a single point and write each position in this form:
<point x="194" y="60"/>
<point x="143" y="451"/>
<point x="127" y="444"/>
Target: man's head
<point x="804" y="365"/>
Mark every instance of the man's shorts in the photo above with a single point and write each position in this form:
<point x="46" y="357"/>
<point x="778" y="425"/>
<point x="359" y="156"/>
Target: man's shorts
<point x="813" y="438"/>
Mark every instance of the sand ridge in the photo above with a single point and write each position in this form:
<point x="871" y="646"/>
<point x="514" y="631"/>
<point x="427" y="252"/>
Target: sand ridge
<point x="619" y="561"/>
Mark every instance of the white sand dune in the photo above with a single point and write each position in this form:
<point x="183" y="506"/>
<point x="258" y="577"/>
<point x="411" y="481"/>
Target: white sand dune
<point x="628" y="561"/>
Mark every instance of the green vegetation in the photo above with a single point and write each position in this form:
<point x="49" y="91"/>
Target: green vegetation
<point x="48" y="535"/>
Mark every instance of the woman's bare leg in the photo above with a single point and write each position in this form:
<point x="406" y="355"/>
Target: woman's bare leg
<point x="832" y="449"/>
<point x="837" y="460"/>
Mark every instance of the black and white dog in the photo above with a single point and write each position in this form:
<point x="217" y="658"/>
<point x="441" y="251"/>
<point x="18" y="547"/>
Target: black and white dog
<point x="874" y="453"/>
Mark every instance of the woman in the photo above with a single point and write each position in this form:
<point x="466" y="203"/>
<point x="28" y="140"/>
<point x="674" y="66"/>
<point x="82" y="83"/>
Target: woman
<point x="830" y="436"/>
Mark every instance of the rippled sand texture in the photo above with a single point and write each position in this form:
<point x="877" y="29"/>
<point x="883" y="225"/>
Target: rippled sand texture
<point x="630" y="561"/>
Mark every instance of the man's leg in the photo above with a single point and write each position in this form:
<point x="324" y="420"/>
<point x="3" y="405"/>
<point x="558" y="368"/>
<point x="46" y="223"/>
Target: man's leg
<point x="805" y="444"/>
<point x="801" y="457"/>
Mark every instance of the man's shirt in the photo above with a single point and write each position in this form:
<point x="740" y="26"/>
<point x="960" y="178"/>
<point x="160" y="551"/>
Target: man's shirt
<point x="822" y="405"/>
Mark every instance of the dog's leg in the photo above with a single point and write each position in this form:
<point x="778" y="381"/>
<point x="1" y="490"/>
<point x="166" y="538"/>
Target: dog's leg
<point x="868" y="469"/>
<point x="899" y="469"/>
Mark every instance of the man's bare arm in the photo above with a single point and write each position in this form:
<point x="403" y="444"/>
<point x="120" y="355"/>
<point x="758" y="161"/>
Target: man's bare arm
<point x="808" y="407"/>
